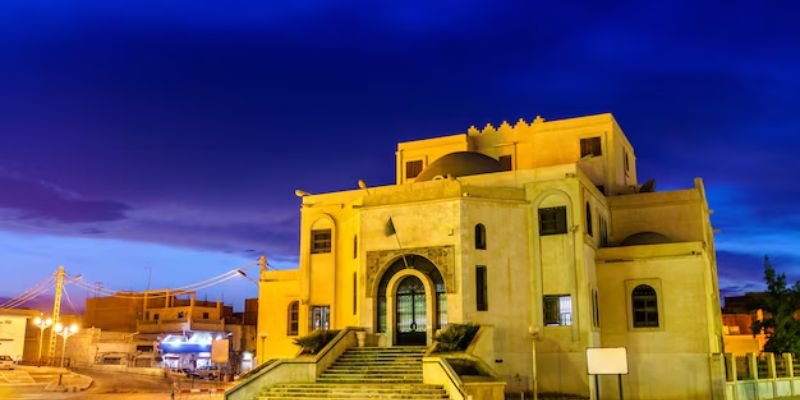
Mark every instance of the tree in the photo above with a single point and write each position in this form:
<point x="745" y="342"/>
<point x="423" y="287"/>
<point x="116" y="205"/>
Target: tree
<point x="779" y="305"/>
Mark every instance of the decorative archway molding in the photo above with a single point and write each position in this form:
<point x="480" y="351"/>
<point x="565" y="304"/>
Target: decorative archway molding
<point x="442" y="257"/>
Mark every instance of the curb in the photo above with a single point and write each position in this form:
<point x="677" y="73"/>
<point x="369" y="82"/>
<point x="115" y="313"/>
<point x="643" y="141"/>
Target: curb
<point x="214" y="390"/>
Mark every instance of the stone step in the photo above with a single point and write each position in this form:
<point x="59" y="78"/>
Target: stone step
<point x="386" y="349"/>
<point x="358" y="396"/>
<point x="415" y="363"/>
<point x="370" y="369"/>
<point x="350" y="376"/>
<point x="353" y="391"/>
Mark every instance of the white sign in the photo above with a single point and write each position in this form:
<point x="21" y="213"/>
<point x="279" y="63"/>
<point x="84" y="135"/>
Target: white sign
<point x="12" y="335"/>
<point x="607" y="361"/>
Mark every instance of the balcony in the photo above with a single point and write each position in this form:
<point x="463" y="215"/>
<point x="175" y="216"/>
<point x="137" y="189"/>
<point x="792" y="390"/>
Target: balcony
<point x="179" y="325"/>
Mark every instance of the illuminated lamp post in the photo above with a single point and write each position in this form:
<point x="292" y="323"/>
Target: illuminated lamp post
<point x="65" y="332"/>
<point x="42" y="324"/>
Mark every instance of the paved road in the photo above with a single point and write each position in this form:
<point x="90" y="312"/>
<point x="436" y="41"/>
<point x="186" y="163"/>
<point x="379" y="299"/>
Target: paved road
<point x="117" y="386"/>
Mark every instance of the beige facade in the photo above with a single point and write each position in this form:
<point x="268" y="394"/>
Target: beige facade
<point x="539" y="230"/>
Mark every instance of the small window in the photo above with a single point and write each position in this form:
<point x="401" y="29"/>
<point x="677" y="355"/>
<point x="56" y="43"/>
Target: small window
<point x="603" y="232"/>
<point x="413" y="168"/>
<point x="320" y="241"/>
<point x="558" y="310"/>
<point x="552" y="221"/>
<point x="595" y="309"/>
<point x="645" y="307"/>
<point x="205" y="315"/>
<point x="355" y="293"/>
<point x="355" y="246"/>
<point x="293" y="319"/>
<point x="590" y="147"/>
<point x="589" y="219"/>
<point x="627" y="162"/>
<point x="181" y="315"/>
<point x="506" y="162"/>
<point x="481" y="290"/>
<point x="155" y="317"/>
<point x="480" y="237"/>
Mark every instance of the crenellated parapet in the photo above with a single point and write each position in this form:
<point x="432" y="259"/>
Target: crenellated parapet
<point x="521" y="126"/>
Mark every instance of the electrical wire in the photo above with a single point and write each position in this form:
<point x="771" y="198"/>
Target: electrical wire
<point x="69" y="300"/>
<point x="165" y="292"/>
<point x="162" y="292"/>
<point x="29" y="294"/>
<point x="32" y="295"/>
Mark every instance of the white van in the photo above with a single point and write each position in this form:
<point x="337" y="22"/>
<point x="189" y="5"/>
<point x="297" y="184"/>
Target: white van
<point x="6" y="362"/>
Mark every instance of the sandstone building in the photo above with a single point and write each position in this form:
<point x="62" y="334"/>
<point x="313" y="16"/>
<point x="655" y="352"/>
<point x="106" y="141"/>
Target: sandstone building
<point x="541" y="231"/>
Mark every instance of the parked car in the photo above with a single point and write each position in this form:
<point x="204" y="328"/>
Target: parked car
<point x="6" y="362"/>
<point x="207" y="372"/>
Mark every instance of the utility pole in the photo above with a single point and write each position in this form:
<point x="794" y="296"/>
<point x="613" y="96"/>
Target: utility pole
<point x="262" y="261"/>
<point x="51" y="346"/>
<point x="149" y="275"/>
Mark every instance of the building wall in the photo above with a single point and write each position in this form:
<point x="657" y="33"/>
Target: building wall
<point x="522" y="265"/>
<point x="678" y="272"/>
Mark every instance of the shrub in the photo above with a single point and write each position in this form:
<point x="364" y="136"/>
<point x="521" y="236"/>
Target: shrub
<point x="314" y="342"/>
<point x="456" y="337"/>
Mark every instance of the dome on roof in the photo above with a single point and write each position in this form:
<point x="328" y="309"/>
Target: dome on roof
<point x="462" y="163"/>
<point x="642" y="238"/>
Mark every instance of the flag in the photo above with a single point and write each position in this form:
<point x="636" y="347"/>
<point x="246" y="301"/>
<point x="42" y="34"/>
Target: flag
<point x="390" y="228"/>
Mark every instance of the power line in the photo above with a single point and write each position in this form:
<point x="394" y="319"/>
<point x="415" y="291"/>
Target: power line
<point x="29" y="294"/>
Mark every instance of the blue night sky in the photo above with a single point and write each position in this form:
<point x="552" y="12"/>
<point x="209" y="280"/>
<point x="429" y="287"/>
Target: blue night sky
<point x="171" y="136"/>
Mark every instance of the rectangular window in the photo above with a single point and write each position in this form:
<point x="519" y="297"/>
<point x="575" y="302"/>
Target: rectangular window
<point x="155" y="317"/>
<point x="595" y="309"/>
<point x="506" y="162"/>
<point x="205" y="315"/>
<point x="603" y="232"/>
<point x="320" y="241"/>
<point x="293" y="320"/>
<point x="481" y="292"/>
<point x="320" y="317"/>
<point x="355" y="246"/>
<point x="590" y="147"/>
<point x="552" y="221"/>
<point x="355" y="293"/>
<point x="557" y="310"/>
<point x="381" y="314"/>
<point x="413" y="168"/>
<point x="627" y="163"/>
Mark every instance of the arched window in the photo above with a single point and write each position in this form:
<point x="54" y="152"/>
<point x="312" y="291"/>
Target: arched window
<point x="480" y="237"/>
<point x="588" y="219"/>
<point x="645" y="307"/>
<point x="293" y="319"/>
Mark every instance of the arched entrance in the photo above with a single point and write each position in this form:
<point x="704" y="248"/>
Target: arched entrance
<point x="411" y="301"/>
<point x="411" y="322"/>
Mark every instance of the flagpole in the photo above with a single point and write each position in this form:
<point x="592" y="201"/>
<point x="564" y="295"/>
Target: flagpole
<point x="392" y="231"/>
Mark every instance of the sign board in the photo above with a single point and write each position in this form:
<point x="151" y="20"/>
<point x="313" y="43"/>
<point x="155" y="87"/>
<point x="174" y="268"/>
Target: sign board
<point x="12" y="335"/>
<point x="219" y="351"/>
<point x="607" y="360"/>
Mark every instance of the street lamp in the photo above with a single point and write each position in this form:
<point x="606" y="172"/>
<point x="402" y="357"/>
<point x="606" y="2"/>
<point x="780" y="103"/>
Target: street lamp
<point x="533" y="331"/>
<point x="42" y="324"/>
<point x="65" y="333"/>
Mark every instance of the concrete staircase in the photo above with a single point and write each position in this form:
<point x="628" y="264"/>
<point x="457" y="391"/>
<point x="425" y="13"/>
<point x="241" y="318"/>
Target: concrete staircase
<point x="366" y="373"/>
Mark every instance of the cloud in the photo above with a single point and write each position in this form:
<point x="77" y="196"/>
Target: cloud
<point x="37" y="201"/>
